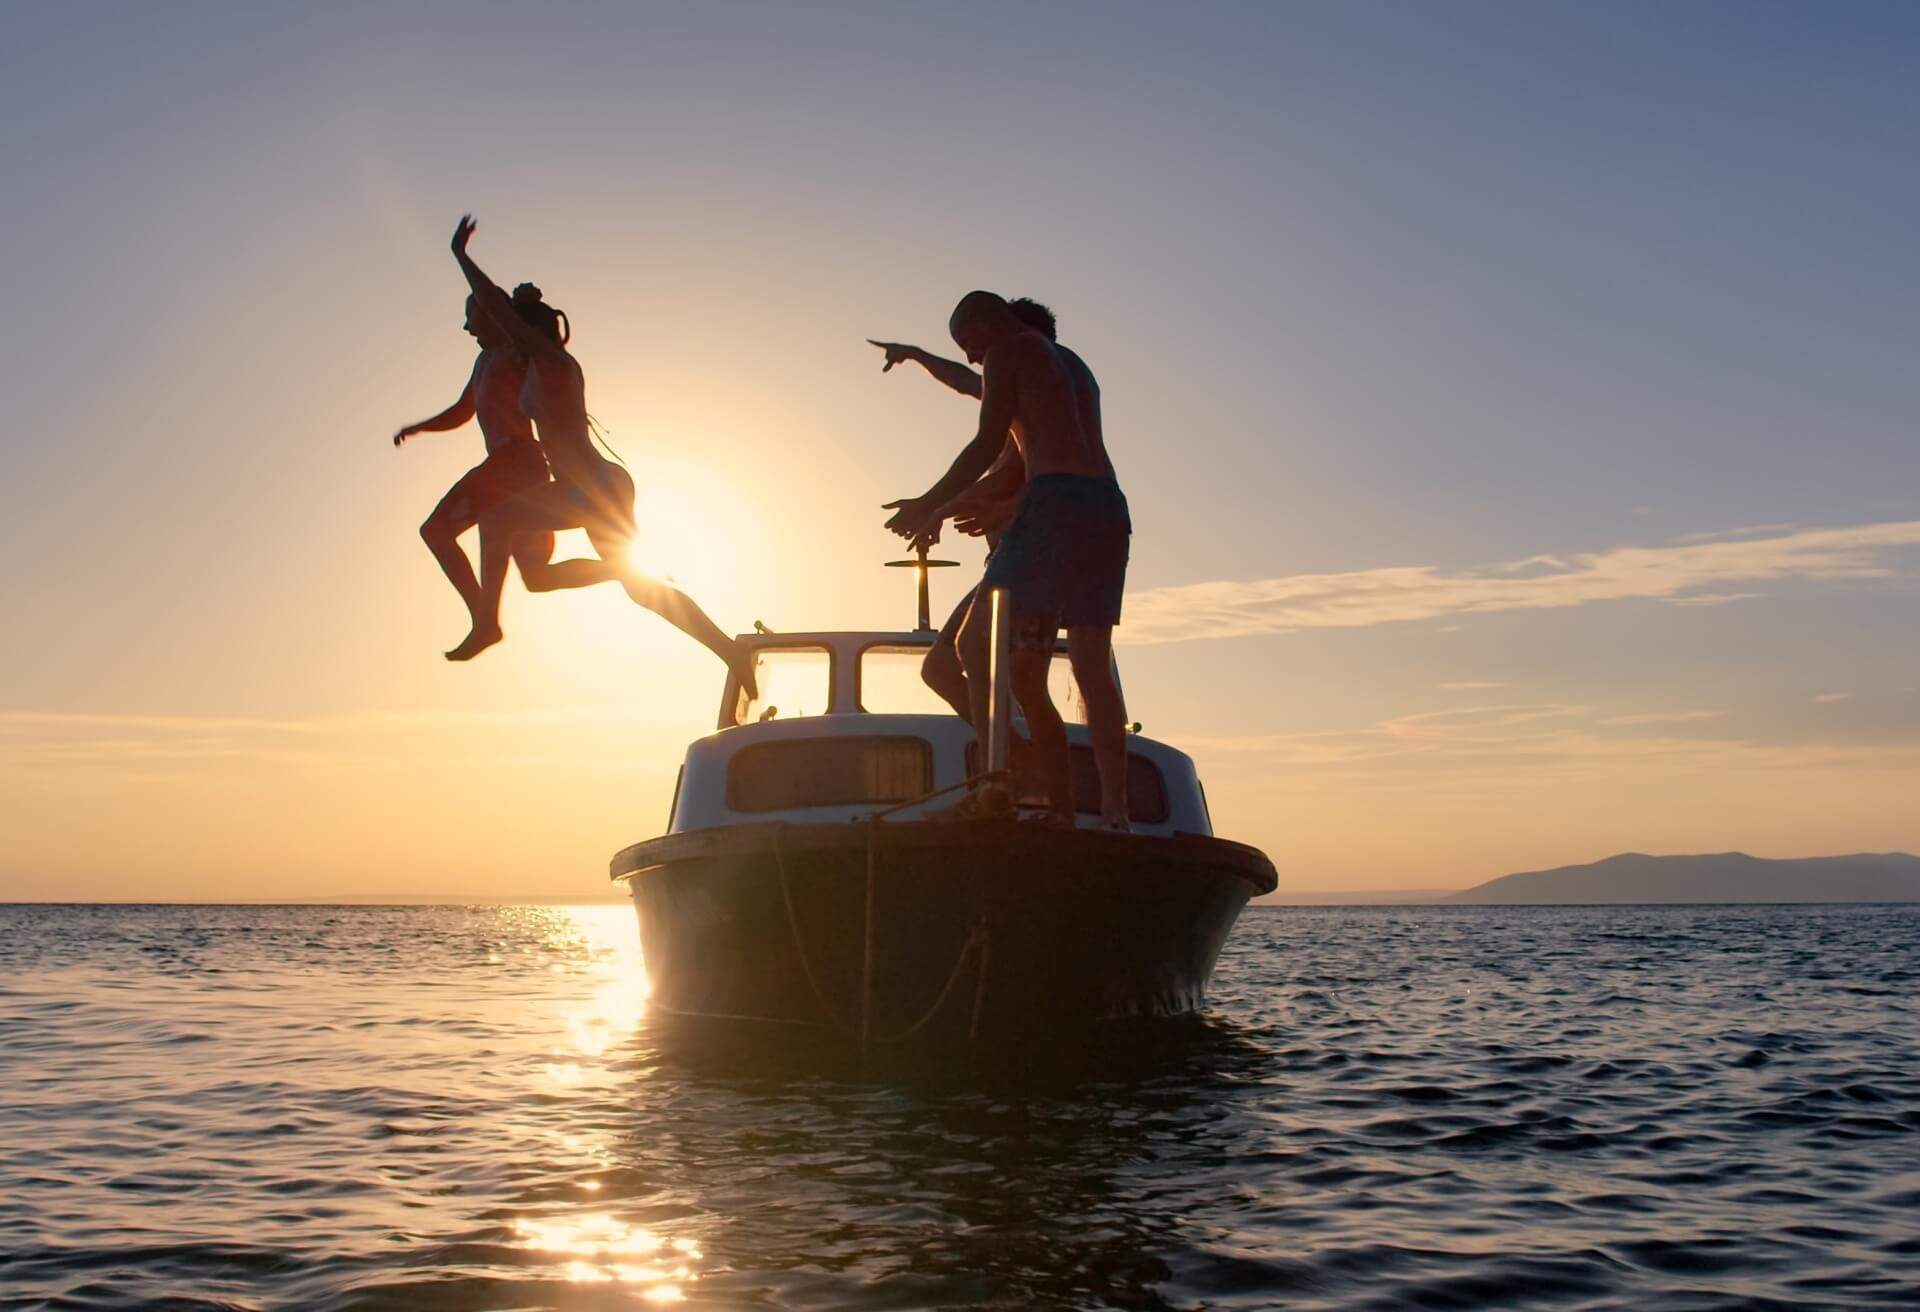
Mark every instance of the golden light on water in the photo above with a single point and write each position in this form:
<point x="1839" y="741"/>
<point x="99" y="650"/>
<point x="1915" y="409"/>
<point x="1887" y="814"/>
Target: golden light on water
<point x="600" y="945"/>
<point x="596" y="1245"/>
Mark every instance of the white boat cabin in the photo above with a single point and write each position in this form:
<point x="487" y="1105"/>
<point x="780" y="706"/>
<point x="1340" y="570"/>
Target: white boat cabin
<point x="844" y="727"/>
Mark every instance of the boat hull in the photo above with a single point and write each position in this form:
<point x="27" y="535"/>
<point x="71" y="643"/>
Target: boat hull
<point x="894" y="932"/>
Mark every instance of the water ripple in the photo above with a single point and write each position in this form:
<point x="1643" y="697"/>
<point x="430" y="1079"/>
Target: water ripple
<point x="449" y="1108"/>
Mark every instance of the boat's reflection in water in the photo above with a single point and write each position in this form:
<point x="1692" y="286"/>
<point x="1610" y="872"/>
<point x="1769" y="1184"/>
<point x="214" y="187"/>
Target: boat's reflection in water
<point x="751" y="1164"/>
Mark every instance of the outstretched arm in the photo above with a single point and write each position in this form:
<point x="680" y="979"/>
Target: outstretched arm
<point x="919" y="516"/>
<point x="951" y="372"/>
<point x="493" y="302"/>
<point x="452" y="417"/>
<point x="991" y="504"/>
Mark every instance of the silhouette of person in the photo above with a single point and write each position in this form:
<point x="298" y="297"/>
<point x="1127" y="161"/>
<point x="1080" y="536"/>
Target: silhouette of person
<point x="588" y="491"/>
<point x="514" y="461"/>
<point x="982" y="510"/>
<point x="1063" y="559"/>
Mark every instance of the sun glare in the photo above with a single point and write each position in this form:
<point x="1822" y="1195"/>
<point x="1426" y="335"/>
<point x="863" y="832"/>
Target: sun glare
<point x="693" y="533"/>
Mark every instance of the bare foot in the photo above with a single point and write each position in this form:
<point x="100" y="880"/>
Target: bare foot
<point x="476" y="642"/>
<point x="1049" y="820"/>
<point x="1115" y="824"/>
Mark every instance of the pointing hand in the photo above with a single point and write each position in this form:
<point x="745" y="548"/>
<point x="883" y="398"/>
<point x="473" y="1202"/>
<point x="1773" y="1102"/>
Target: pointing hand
<point x="896" y="352"/>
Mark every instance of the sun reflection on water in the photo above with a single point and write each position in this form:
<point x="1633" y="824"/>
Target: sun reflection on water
<point x="601" y="944"/>
<point x="598" y="1244"/>
<point x="611" y="945"/>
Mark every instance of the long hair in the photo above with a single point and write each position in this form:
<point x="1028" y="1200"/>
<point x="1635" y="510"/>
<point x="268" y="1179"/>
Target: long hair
<point x="528" y="304"/>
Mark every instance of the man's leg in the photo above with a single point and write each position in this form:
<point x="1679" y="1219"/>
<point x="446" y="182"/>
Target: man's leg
<point x="974" y="645"/>
<point x="1030" y="659"/>
<point x="542" y="509"/>
<point x="1090" y="649"/>
<point x="441" y="531"/>
<point x="942" y="670"/>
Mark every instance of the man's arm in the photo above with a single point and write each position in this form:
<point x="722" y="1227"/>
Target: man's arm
<point x="951" y="372"/>
<point x="1001" y="483"/>
<point x="452" y="417"/>
<point x="919" y="516"/>
<point x="493" y="302"/>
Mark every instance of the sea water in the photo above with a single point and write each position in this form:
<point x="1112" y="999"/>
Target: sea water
<point x="471" y="1108"/>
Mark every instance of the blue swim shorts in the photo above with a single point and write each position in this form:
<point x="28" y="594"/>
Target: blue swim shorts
<point x="1063" y="560"/>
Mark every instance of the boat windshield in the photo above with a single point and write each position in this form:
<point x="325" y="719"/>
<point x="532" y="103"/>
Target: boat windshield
<point x="794" y="681"/>
<point x="890" y="684"/>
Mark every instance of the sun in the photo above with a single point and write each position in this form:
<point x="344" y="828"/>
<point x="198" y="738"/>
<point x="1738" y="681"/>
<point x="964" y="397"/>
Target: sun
<point x="691" y="533"/>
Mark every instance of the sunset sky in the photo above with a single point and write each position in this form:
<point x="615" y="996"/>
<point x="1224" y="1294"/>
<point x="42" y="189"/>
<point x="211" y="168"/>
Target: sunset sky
<point x="1518" y="405"/>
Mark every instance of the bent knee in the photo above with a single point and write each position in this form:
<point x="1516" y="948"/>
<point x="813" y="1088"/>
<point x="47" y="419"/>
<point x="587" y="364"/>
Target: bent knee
<point x="942" y="662"/>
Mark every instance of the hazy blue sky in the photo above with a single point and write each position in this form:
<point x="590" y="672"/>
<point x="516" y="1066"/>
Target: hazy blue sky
<point x="1533" y="382"/>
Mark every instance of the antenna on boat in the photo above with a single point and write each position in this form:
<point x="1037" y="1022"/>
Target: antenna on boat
<point x="920" y="565"/>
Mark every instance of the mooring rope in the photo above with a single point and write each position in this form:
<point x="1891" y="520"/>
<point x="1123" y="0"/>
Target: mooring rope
<point x="979" y="937"/>
<point x="799" y="945"/>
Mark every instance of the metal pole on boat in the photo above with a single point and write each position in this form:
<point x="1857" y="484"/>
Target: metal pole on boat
<point x="1000" y="699"/>
<point x="926" y="597"/>
<point x="920" y="565"/>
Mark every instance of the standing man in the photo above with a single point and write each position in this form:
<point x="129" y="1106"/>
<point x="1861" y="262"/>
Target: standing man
<point x="983" y="510"/>
<point x="1062" y="561"/>
<point x="514" y="460"/>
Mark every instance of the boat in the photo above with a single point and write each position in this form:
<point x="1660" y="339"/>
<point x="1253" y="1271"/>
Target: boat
<point x="801" y="883"/>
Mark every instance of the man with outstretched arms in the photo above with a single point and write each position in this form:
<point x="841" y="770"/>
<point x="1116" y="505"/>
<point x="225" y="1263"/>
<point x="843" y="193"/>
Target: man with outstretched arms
<point x="983" y="510"/>
<point x="514" y="459"/>
<point x="1063" y="559"/>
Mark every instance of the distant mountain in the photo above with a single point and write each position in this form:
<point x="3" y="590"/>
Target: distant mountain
<point x="1392" y="897"/>
<point x="1719" y="877"/>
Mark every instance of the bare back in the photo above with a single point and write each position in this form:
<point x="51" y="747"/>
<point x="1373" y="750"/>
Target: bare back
<point x="555" y="395"/>
<point x="1056" y="417"/>
<point x="497" y="376"/>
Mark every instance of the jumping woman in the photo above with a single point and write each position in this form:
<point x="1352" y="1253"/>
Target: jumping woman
<point x="588" y="491"/>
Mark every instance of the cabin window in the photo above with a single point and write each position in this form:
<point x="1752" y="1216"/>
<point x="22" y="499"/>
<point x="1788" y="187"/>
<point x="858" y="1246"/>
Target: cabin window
<point x="890" y="684"/>
<point x="794" y="681"/>
<point x="785" y="776"/>
<point x="1146" y="788"/>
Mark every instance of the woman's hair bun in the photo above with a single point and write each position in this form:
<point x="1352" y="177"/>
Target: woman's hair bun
<point x="525" y="292"/>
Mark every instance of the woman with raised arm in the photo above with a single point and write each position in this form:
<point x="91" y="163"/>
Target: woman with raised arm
<point x="588" y="491"/>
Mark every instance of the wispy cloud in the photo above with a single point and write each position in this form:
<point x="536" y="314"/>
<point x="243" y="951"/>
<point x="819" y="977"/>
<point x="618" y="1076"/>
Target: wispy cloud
<point x="1469" y="687"/>
<point x="1666" y="717"/>
<point x="1525" y="743"/>
<point x="1688" y="572"/>
<point x="378" y="740"/>
<point x="1825" y="697"/>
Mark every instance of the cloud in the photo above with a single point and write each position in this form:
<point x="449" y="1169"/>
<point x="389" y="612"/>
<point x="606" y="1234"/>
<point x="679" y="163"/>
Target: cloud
<point x="373" y="740"/>
<point x="1669" y="717"/>
<point x="1711" y="598"/>
<point x="1824" y="697"/>
<point x="1688" y="572"/>
<point x="1524" y="744"/>
<point x="1469" y="687"/>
